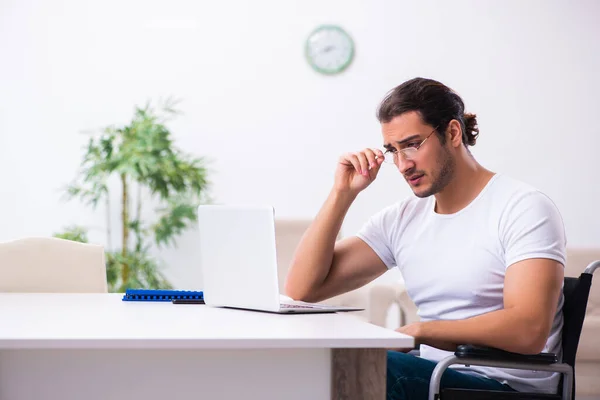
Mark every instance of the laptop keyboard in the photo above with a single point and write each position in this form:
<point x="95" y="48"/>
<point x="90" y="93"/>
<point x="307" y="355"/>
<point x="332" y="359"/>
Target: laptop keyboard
<point x="283" y="305"/>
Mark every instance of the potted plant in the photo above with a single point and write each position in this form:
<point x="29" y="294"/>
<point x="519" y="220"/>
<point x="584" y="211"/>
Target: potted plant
<point x="149" y="170"/>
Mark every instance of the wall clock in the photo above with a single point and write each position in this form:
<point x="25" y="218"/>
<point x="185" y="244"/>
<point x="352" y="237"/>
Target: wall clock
<point x="329" y="49"/>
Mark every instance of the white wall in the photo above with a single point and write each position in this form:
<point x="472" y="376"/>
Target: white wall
<point x="271" y="126"/>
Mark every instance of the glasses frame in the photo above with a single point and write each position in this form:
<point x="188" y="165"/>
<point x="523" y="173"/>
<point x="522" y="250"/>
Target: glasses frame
<point x="403" y="151"/>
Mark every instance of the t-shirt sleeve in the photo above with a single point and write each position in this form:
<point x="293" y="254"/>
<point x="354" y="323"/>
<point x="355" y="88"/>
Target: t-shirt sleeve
<point x="376" y="233"/>
<point x="533" y="228"/>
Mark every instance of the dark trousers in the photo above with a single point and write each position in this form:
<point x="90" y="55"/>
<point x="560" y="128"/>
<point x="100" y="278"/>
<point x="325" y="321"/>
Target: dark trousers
<point x="408" y="377"/>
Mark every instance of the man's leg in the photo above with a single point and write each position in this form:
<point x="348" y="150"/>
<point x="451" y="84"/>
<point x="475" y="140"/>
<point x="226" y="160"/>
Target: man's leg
<point x="408" y="378"/>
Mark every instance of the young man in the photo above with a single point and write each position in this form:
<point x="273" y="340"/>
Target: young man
<point x="481" y="254"/>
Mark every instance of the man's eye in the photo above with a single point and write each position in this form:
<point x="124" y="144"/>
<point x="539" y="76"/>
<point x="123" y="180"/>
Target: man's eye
<point x="391" y="151"/>
<point x="413" y="144"/>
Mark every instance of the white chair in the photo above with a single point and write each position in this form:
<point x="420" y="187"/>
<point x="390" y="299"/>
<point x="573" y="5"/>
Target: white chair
<point x="52" y="265"/>
<point x="387" y="296"/>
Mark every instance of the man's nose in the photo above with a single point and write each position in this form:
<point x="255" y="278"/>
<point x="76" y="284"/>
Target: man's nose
<point x="404" y="165"/>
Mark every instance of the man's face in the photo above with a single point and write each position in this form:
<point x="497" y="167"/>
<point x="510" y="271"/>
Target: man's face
<point x="432" y="165"/>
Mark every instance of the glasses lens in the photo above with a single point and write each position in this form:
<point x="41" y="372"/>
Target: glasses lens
<point x="409" y="153"/>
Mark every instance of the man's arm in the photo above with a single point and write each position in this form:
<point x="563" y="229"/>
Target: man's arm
<point x="323" y="268"/>
<point x="531" y="292"/>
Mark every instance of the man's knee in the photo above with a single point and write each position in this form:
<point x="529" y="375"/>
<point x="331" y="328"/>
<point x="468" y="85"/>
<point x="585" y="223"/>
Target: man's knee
<point x="407" y="376"/>
<point x="409" y="365"/>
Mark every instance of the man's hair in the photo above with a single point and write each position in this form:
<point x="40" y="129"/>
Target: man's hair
<point x="436" y="103"/>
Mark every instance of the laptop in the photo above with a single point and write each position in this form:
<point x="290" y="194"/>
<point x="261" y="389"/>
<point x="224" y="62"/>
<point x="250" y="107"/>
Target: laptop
<point x="238" y="261"/>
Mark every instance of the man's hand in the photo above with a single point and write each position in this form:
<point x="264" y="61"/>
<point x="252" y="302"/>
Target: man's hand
<point x="410" y="330"/>
<point x="418" y="330"/>
<point x="356" y="171"/>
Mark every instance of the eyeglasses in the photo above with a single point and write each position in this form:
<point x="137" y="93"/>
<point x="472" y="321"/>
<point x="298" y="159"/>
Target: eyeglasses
<point x="409" y="153"/>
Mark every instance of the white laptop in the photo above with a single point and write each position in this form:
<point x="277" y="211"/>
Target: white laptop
<point x="239" y="263"/>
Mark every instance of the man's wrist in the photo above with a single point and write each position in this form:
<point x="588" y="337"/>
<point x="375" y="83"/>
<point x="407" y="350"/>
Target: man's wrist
<point x="345" y="197"/>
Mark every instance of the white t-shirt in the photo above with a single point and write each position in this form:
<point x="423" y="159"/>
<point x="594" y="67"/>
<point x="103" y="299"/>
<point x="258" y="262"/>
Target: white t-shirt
<point x="454" y="265"/>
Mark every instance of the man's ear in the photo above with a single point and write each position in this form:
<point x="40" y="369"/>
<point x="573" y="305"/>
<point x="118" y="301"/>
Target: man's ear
<point x="454" y="132"/>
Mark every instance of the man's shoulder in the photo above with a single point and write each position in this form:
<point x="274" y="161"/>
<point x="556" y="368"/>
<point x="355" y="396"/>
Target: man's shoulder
<point x="508" y="192"/>
<point x="515" y="191"/>
<point x="530" y="223"/>
<point x="508" y="184"/>
<point x="524" y="202"/>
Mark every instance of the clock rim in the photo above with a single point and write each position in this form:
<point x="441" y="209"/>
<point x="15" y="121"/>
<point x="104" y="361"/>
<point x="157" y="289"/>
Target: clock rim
<point x="341" y="68"/>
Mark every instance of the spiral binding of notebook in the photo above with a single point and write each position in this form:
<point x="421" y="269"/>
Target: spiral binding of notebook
<point x="161" y="295"/>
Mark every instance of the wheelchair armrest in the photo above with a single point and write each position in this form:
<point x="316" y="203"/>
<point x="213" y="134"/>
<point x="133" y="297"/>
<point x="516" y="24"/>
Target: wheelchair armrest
<point x="493" y="354"/>
<point x="469" y="355"/>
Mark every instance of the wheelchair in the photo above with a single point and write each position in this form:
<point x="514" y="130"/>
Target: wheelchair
<point x="576" y="292"/>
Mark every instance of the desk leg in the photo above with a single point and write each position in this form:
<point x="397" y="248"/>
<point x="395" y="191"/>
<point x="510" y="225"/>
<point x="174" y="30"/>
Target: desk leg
<point x="358" y="374"/>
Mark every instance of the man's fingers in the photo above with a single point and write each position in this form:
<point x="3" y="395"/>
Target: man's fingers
<point x="402" y="350"/>
<point x="351" y="159"/>
<point x="370" y="154"/>
<point x="364" y="163"/>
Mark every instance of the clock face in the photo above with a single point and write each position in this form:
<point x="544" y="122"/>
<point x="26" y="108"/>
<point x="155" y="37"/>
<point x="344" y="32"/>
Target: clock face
<point x="329" y="49"/>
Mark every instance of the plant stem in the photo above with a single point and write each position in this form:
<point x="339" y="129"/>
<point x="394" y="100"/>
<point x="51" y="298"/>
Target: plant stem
<point x="139" y="202"/>
<point x="138" y="245"/>
<point x="125" y="221"/>
<point x="108" y="225"/>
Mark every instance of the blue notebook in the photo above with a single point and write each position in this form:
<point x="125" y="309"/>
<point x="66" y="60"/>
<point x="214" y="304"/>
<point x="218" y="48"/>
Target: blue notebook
<point x="161" y="295"/>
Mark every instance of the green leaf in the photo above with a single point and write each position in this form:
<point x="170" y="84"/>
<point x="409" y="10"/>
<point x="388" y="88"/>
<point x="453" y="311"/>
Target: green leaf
<point x="74" y="233"/>
<point x="173" y="220"/>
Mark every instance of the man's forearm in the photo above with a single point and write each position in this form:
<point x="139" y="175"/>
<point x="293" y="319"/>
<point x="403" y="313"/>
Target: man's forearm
<point x="503" y="329"/>
<point x="314" y="255"/>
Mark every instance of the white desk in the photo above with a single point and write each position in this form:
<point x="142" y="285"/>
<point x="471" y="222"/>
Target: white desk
<point x="97" y="347"/>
